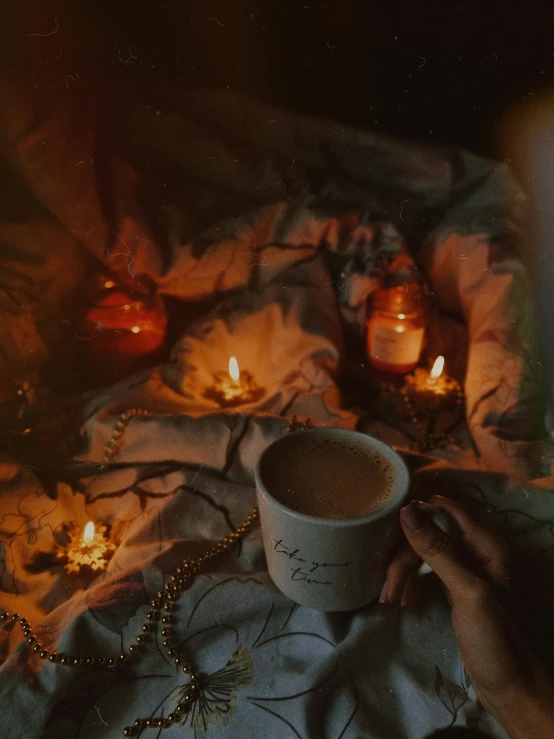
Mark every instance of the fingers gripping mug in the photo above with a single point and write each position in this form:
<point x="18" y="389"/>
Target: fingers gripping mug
<point x="328" y="501"/>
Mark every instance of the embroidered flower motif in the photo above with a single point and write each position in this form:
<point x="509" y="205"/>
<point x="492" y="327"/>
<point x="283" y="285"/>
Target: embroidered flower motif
<point x="261" y="661"/>
<point x="216" y="701"/>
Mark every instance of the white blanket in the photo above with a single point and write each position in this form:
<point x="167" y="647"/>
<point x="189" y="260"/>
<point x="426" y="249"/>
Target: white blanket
<point x="293" y="278"/>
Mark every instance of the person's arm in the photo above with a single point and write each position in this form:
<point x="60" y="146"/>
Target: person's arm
<point x="527" y="713"/>
<point x="507" y="677"/>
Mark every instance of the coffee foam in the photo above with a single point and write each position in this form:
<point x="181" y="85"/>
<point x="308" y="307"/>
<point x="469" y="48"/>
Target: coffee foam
<point x="329" y="478"/>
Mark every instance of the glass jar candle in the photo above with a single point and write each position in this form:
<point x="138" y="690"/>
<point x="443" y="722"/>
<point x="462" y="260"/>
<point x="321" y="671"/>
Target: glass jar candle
<point x="124" y="329"/>
<point x="396" y="328"/>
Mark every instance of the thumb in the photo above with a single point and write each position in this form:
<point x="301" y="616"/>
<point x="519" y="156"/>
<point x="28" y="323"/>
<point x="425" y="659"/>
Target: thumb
<point x="435" y="547"/>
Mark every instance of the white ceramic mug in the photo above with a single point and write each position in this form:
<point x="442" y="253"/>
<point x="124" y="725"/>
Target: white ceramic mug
<point x="329" y="564"/>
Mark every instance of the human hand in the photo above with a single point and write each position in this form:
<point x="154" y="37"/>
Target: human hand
<point x="476" y="574"/>
<point x="486" y="547"/>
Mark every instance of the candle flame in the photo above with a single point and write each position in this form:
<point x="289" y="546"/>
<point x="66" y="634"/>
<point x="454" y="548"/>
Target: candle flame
<point x="437" y="367"/>
<point x="234" y="369"/>
<point x="88" y="533"/>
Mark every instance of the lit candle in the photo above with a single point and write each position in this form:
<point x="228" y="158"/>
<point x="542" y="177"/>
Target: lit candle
<point x="234" y="387"/>
<point x="436" y="374"/>
<point x="429" y="389"/>
<point x="230" y="385"/>
<point x="88" y="549"/>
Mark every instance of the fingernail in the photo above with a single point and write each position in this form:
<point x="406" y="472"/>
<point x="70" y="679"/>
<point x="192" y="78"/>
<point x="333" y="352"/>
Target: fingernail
<point x="408" y="599"/>
<point x="413" y="517"/>
<point x="407" y="602"/>
<point x="384" y="593"/>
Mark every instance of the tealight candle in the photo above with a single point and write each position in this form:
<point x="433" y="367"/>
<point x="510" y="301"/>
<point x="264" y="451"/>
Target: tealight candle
<point x="430" y="389"/>
<point x="88" y="549"/>
<point x="234" y="387"/>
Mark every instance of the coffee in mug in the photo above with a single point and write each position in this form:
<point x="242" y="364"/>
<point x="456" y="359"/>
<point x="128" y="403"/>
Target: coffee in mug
<point x="329" y="501"/>
<point x="329" y="478"/>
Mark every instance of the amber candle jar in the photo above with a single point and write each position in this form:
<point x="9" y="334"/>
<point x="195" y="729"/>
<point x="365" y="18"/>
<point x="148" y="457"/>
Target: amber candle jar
<point x="396" y="328"/>
<point x="124" y="329"/>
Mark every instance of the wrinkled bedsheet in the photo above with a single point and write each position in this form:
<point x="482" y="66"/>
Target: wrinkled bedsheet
<point x="289" y="222"/>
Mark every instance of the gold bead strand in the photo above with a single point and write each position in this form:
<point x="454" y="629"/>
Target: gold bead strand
<point x="112" y="446"/>
<point x="67" y="660"/>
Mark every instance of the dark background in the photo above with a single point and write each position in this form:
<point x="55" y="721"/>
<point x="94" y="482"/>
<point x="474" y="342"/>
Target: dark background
<point x="447" y="71"/>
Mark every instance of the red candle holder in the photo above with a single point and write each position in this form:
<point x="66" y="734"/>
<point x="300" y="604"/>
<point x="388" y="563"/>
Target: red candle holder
<point x="123" y="331"/>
